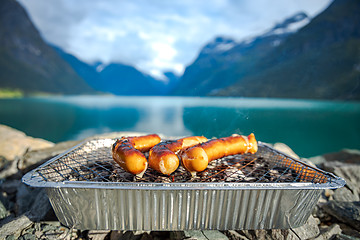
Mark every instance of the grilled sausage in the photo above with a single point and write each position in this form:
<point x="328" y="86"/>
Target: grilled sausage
<point x="163" y="157"/>
<point x="196" y="158"/>
<point x="127" y="152"/>
<point x="144" y="143"/>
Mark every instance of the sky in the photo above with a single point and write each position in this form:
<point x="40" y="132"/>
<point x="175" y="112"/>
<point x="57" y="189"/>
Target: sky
<point x="156" y="35"/>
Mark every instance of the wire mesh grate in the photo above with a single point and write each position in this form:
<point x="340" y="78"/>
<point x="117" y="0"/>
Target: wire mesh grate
<point x="92" y="161"/>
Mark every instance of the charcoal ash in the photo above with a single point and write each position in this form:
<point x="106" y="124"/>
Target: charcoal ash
<point x="233" y="174"/>
<point x="237" y="168"/>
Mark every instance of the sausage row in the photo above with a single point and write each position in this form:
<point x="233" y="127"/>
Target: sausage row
<point x="194" y="153"/>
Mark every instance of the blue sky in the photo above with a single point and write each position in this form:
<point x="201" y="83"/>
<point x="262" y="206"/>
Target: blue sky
<point x="155" y="35"/>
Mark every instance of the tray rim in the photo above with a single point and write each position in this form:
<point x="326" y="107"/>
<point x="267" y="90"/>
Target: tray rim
<point x="33" y="179"/>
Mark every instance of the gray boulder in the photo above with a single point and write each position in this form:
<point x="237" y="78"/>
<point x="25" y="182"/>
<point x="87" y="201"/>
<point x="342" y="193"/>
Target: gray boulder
<point x="14" y="143"/>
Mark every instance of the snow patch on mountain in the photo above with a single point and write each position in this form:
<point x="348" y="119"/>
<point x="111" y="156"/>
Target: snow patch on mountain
<point x="290" y="25"/>
<point x="100" y="67"/>
<point x="219" y="45"/>
<point x="278" y="32"/>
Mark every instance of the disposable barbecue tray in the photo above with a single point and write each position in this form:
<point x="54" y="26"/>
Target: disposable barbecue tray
<point x="266" y="190"/>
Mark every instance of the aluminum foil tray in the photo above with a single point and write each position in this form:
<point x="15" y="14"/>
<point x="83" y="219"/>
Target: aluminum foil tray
<point x="265" y="190"/>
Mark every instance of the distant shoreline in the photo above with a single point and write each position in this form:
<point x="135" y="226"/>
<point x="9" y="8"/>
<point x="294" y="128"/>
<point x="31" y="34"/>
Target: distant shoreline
<point x="8" y="93"/>
<point x="11" y="93"/>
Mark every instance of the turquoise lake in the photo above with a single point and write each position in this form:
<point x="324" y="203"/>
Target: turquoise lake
<point x="309" y="127"/>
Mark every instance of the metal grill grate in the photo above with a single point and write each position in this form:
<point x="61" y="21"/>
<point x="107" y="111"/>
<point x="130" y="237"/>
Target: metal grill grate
<point x="93" y="162"/>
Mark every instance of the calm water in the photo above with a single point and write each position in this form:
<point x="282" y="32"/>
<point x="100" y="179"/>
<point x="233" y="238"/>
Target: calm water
<point x="309" y="127"/>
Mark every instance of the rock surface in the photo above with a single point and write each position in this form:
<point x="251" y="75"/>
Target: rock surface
<point x="25" y="212"/>
<point x="348" y="212"/>
<point x="15" y="143"/>
<point x="349" y="171"/>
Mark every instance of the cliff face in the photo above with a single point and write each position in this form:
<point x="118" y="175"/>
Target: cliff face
<point x="27" y="62"/>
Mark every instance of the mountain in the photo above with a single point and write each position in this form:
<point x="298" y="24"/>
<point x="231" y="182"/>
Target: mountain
<point x="172" y="81"/>
<point x="117" y="78"/>
<point x="84" y="70"/>
<point x="122" y="79"/>
<point x="223" y="61"/>
<point x="27" y="62"/>
<point x="320" y="61"/>
<point x="298" y="58"/>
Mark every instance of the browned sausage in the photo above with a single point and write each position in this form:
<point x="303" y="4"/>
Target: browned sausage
<point x="127" y="152"/>
<point x="163" y="157"/>
<point x="144" y="143"/>
<point x="196" y="158"/>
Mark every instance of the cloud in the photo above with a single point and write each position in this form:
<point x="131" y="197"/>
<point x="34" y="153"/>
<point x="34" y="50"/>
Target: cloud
<point x="155" y="36"/>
